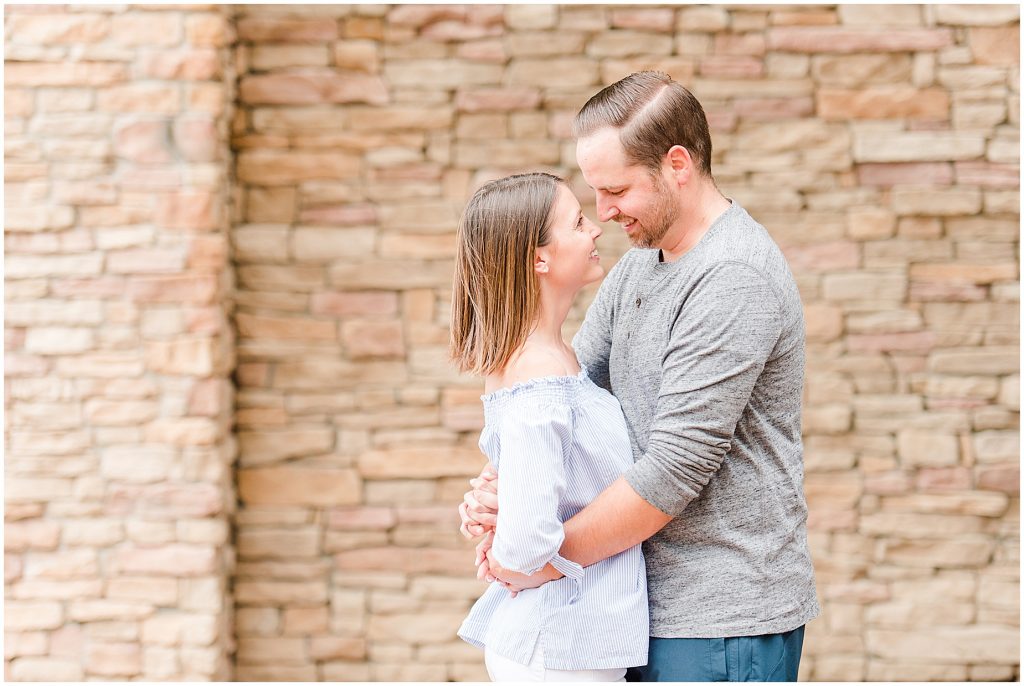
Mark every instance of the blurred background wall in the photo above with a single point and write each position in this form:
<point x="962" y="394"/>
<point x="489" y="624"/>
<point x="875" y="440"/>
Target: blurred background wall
<point x="234" y="444"/>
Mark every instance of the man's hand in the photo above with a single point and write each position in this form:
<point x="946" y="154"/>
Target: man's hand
<point x="479" y="507"/>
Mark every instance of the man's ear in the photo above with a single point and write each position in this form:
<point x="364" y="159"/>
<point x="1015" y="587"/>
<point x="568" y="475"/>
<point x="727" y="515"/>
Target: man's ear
<point x="679" y="163"/>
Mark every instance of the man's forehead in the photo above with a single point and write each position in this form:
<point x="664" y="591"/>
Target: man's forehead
<point x="603" y="161"/>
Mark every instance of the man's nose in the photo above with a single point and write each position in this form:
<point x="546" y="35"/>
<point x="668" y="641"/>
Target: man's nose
<point x="605" y="209"/>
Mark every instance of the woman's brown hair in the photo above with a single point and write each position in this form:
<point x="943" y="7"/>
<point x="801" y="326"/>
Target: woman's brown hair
<point x="495" y="293"/>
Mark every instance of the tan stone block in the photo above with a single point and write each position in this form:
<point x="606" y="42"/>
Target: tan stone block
<point x="140" y="97"/>
<point x="281" y="673"/>
<point x="354" y="303"/>
<point x="190" y="209"/>
<point x="262" y="447"/>
<point x="204" y="594"/>
<point x="270" y="205"/>
<point x="64" y="564"/>
<point x="996" y="446"/>
<point x="997" y="46"/>
<point x="336" y="542"/>
<point x="260" y="243"/>
<point x="57" y="590"/>
<point x="883" y="103"/>
<point x="185" y="357"/>
<point x="441" y="73"/>
<point x="372" y="339"/>
<point x="564" y="72"/>
<point x="168" y="560"/>
<point x="277" y="168"/>
<point x="916" y="146"/>
<point x="277" y="650"/>
<point x="113" y="659"/>
<point x="357" y="55"/>
<point x="391" y="275"/>
<point x="954" y="552"/>
<point x="160" y="663"/>
<point x="78" y="74"/>
<point x="257" y="621"/>
<point x="443" y="561"/>
<point x="974" y="273"/>
<point x="91" y="532"/>
<point x="976" y="15"/>
<point x="269" y="57"/>
<point x="530" y="16"/>
<point x="926" y="448"/>
<point x="310" y="86"/>
<point x="25" y="643"/>
<point x="947" y="645"/>
<point x="999" y="593"/>
<point x="146" y="260"/>
<point x="292" y="593"/>
<point x="991" y="673"/>
<point x="856" y="40"/>
<point x="420" y="462"/>
<point x="58" y="340"/>
<point x="30" y="534"/>
<point x="188" y="289"/>
<point x="311" y="244"/>
<point x="28" y="615"/>
<point x="414" y="628"/>
<point x="702" y="18"/>
<point x="295" y="486"/>
<point x="980" y="115"/>
<point x="271" y="29"/>
<point x="965" y="201"/>
<point x="306" y="621"/>
<point x="99" y="610"/>
<point x="157" y="590"/>
<point x="192" y="64"/>
<point x="864" y="286"/>
<point x="45" y="669"/>
<point x="290" y="542"/>
<point x="57" y="28"/>
<point x="328" y="373"/>
<point x="521" y="153"/>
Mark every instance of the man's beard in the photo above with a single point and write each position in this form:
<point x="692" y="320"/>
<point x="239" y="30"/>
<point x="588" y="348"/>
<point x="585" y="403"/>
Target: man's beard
<point x="663" y="215"/>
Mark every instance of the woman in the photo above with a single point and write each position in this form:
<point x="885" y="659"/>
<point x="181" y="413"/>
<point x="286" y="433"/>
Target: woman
<point x="556" y="439"/>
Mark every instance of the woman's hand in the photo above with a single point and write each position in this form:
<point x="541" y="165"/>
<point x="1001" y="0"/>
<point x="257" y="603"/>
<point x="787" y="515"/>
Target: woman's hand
<point x="479" y="508"/>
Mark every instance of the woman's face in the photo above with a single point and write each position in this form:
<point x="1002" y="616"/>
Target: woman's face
<point x="571" y="253"/>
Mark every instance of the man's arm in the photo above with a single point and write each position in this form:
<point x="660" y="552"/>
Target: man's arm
<point x="617" y="519"/>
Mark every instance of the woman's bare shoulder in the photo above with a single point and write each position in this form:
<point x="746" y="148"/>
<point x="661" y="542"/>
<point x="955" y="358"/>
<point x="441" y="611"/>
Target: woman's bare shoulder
<point x="531" y="362"/>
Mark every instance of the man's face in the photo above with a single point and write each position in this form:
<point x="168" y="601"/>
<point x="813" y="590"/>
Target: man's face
<point x="627" y="193"/>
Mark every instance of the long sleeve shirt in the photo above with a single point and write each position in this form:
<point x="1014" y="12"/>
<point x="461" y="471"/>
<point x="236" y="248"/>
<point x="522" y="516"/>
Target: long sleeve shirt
<point x="706" y="356"/>
<point x="556" y="443"/>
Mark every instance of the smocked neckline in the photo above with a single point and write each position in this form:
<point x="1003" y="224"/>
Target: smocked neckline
<point x="539" y="382"/>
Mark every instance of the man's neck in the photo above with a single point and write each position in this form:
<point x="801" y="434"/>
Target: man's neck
<point x="705" y="206"/>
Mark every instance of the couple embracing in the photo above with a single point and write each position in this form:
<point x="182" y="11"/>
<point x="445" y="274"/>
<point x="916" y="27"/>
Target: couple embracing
<point x="672" y="421"/>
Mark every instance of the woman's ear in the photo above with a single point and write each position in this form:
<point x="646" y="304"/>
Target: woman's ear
<point x="540" y="262"/>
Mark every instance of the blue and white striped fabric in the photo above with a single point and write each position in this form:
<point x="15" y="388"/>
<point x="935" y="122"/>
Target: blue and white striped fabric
<point x="557" y="442"/>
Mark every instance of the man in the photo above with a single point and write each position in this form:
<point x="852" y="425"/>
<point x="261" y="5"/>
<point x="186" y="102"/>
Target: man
<point x="699" y="334"/>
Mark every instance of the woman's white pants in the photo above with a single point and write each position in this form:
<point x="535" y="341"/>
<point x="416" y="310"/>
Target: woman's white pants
<point x="503" y="669"/>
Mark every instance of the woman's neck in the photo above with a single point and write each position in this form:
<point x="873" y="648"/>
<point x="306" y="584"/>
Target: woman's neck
<point x="551" y="314"/>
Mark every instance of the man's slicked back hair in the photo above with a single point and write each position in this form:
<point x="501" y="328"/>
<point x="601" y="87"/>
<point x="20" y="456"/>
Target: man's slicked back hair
<point x="652" y="113"/>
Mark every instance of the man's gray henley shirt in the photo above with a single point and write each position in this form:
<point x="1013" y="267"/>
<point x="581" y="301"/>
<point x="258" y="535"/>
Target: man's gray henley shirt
<point x="706" y="356"/>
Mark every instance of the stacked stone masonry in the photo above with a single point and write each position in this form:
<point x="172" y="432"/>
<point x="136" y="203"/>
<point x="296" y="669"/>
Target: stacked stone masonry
<point x="235" y="225"/>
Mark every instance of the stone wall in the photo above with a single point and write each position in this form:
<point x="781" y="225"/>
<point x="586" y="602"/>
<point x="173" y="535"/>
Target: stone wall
<point x="878" y="144"/>
<point x="119" y="346"/>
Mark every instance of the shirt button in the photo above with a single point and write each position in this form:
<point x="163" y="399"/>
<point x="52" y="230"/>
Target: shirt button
<point x="638" y="301"/>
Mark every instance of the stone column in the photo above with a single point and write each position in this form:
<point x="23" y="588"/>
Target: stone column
<point x="119" y="347"/>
